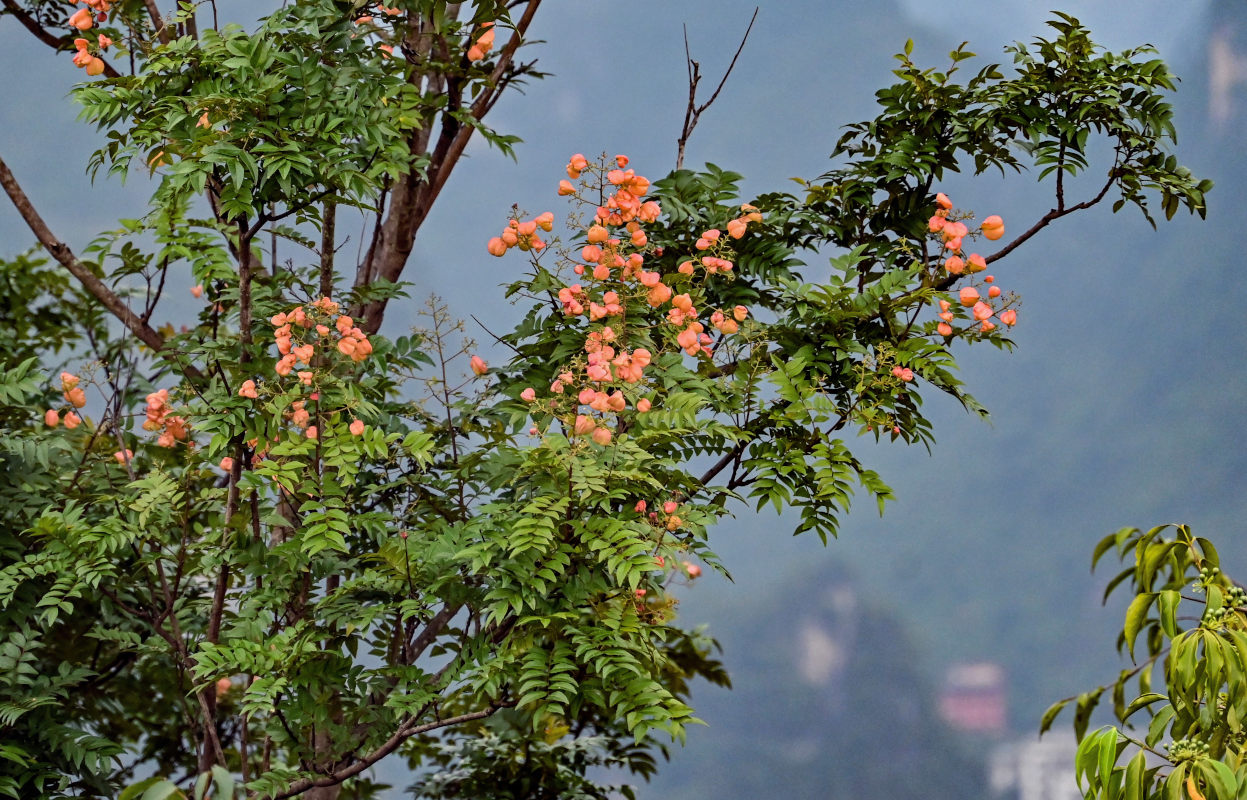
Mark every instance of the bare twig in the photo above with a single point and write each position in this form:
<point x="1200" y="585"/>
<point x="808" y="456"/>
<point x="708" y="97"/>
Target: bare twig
<point x="495" y="336"/>
<point x="162" y="33"/>
<point x="693" y="112"/>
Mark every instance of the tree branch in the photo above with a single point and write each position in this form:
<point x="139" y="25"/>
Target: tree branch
<point x="692" y="113"/>
<point x="328" y="241"/>
<point x="61" y="252"/>
<point x="412" y="196"/>
<point x="246" y="265"/>
<point x="405" y="731"/>
<point x="1052" y="215"/>
<point x="731" y="455"/>
<point x="431" y="630"/>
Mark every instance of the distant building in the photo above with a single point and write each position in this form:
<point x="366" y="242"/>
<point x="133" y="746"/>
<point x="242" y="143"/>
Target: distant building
<point x="825" y="637"/>
<point x="973" y="698"/>
<point x="1227" y="66"/>
<point x="1034" y="770"/>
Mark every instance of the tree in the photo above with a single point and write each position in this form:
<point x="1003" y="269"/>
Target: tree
<point x="324" y="546"/>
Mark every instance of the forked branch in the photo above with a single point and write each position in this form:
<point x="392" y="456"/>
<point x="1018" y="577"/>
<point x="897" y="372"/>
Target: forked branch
<point x="412" y="195"/>
<point x="405" y="731"/>
<point x="693" y="112"/>
<point x="61" y="252"/>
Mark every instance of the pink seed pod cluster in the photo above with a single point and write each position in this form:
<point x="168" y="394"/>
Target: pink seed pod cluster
<point x="949" y="231"/>
<point x="83" y="20"/>
<point x="617" y="287"/>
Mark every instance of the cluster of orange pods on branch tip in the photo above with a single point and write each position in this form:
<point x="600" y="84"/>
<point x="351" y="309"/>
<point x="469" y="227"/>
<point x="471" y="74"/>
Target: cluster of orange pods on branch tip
<point x="83" y="20"/>
<point x="609" y="377"/>
<point x="522" y="235"/>
<point x="307" y="335"/>
<point x="982" y="300"/>
<point x="75" y="396"/>
<point x="951" y="232"/>
<point x="982" y="307"/>
<point x="297" y="344"/>
<point x="172" y="428"/>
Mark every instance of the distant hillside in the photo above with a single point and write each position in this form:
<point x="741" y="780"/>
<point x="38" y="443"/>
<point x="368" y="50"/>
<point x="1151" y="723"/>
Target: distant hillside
<point x="831" y="703"/>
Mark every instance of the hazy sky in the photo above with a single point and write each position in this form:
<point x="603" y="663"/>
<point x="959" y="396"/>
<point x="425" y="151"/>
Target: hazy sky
<point x="1117" y="23"/>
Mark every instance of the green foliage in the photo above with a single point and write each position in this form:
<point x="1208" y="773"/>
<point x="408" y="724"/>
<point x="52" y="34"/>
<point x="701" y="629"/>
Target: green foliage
<point x="299" y="563"/>
<point x="1190" y="741"/>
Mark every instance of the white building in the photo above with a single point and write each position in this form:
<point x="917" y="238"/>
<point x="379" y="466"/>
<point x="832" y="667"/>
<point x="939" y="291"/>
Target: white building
<point x="1035" y="769"/>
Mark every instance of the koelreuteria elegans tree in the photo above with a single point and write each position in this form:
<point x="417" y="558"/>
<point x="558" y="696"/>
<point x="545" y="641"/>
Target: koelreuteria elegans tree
<point x="263" y="553"/>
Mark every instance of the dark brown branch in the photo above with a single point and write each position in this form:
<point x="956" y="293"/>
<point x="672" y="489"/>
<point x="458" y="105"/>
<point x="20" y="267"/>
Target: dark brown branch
<point x="192" y="24"/>
<point x="1044" y="221"/>
<point x="61" y="252"/>
<point x="413" y="195"/>
<point x="328" y="241"/>
<point x="265" y="219"/>
<point x="404" y="732"/>
<point x="363" y="272"/>
<point x="693" y="112"/>
<point x="43" y="35"/>
<point x="29" y="23"/>
<point x="432" y="629"/>
<point x="495" y="336"/>
<point x="245" y="274"/>
<point x="212" y="752"/>
<point x="731" y="455"/>
<point x="694" y="78"/>
<point x="153" y="298"/>
<point x="1060" y="178"/>
<point x="222" y="584"/>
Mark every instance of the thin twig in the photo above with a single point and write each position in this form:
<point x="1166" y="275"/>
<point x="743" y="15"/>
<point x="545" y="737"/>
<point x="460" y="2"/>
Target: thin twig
<point x="162" y="33"/>
<point x="495" y="336"/>
<point x="1043" y="222"/>
<point x="404" y="732"/>
<point x="693" y="112"/>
